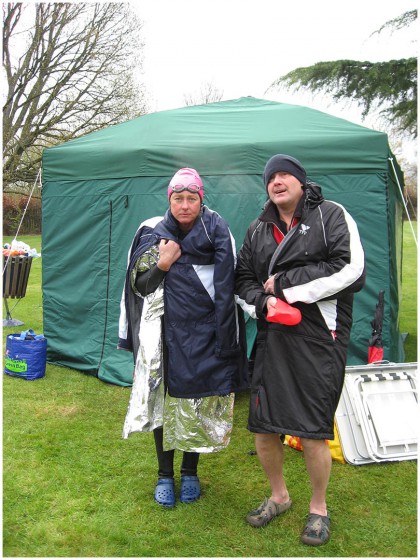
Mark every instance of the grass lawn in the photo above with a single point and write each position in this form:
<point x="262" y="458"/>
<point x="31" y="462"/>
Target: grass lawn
<point x="72" y="487"/>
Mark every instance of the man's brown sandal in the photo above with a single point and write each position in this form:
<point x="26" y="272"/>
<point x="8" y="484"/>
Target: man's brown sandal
<point x="316" y="530"/>
<point x="267" y="511"/>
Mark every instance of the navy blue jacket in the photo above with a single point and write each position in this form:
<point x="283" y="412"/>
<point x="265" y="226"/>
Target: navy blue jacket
<point x="204" y="328"/>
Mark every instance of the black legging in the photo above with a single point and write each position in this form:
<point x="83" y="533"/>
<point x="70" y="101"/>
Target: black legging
<point x="166" y="458"/>
<point x="146" y="282"/>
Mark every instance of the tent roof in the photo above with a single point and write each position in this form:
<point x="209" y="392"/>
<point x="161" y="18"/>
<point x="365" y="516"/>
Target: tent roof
<point x="228" y="137"/>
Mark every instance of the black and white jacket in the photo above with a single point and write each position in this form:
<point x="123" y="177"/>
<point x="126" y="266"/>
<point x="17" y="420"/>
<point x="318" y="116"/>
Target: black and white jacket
<point x="321" y="259"/>
<point x="318" y="265"/>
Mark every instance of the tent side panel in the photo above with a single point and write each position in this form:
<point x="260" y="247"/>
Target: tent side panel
<point x="74" y="230"/>
<point x="88" y="227"/>
<point x="77" y="226"/>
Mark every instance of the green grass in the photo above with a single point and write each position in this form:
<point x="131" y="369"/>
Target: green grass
<point x="72" y="487"/>
<point x="408" y="307"/>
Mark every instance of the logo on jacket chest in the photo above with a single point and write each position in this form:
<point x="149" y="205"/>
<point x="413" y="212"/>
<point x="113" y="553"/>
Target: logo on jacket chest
<point x="303" y="230"/>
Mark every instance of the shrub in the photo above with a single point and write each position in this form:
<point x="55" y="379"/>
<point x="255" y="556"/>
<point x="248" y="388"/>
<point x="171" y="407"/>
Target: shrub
<point x="13" y="210"/>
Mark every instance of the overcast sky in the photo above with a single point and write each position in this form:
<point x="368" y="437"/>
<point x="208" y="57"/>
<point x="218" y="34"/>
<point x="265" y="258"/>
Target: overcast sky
<point x="242" y="46"/>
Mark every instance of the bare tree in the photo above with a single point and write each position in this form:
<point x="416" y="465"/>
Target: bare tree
<point x="208" y="93"/>
<point x="69" y="70"/>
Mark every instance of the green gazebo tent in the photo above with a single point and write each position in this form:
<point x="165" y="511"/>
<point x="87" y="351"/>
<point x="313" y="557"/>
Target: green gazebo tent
<point x="99" y="188"/>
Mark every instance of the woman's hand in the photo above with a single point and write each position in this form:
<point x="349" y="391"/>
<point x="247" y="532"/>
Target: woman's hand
<point x="169" y="252"/>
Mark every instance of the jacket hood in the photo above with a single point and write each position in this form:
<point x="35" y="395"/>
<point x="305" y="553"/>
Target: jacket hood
<point x="313" y="194"/>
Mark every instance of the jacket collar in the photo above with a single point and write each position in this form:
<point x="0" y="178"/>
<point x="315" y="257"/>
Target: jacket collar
<point x="270" y="214"/>
<point x="169" y="228"/>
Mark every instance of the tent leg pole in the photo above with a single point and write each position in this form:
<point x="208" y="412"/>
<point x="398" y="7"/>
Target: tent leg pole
<point x="403" y="201"/>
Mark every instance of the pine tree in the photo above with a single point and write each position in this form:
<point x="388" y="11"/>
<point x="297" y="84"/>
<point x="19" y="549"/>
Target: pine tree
<point x="389" y="86"/>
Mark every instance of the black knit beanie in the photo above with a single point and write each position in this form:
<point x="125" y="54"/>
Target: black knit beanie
<point x="282" y="162"/>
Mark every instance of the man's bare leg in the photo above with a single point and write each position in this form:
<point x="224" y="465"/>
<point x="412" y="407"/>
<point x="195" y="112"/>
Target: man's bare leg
<point x="271" y="455"/>
<point x="318" y="464"/>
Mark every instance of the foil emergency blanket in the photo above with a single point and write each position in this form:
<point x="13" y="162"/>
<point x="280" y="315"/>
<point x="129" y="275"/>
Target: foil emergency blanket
<point x="202" y="425"/>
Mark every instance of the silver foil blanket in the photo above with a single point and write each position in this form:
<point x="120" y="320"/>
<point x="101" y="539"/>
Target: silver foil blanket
<point x="204" y="424"/>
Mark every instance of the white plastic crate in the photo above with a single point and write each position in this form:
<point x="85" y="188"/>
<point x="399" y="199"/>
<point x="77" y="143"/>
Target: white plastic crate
<point x="378" y="414"/>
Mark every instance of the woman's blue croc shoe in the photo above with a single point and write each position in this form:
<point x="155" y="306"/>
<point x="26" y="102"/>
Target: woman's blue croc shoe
<point x="190" y="489"/>
<point x="165" y="492"/>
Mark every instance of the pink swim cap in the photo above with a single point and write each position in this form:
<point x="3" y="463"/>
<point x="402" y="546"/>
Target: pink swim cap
<point x="186" y="179"/>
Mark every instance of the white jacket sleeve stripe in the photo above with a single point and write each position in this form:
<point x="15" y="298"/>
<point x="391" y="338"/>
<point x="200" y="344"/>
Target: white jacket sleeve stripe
<point x="330" y="285"/>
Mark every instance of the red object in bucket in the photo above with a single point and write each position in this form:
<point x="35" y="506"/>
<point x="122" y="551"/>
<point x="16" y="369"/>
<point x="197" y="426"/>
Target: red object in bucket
<point x="284" y="314"/>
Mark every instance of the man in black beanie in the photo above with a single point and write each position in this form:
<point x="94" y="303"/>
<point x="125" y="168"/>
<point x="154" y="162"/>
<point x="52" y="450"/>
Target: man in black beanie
<point x="286" y="164"/>
<point x="303" y="253"/>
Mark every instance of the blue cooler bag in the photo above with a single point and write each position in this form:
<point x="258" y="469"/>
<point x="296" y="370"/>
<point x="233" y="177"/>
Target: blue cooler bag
<point x="26" y="355"/>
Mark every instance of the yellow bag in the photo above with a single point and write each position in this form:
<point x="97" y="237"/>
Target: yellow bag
<point x="335" y="447"/>
<point x="333" y="444"/>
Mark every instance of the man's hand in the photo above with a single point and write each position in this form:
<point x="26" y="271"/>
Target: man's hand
<point x="169" y="252"/>
<point x="271" y="302"/>
<point x="269" y="285"/>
